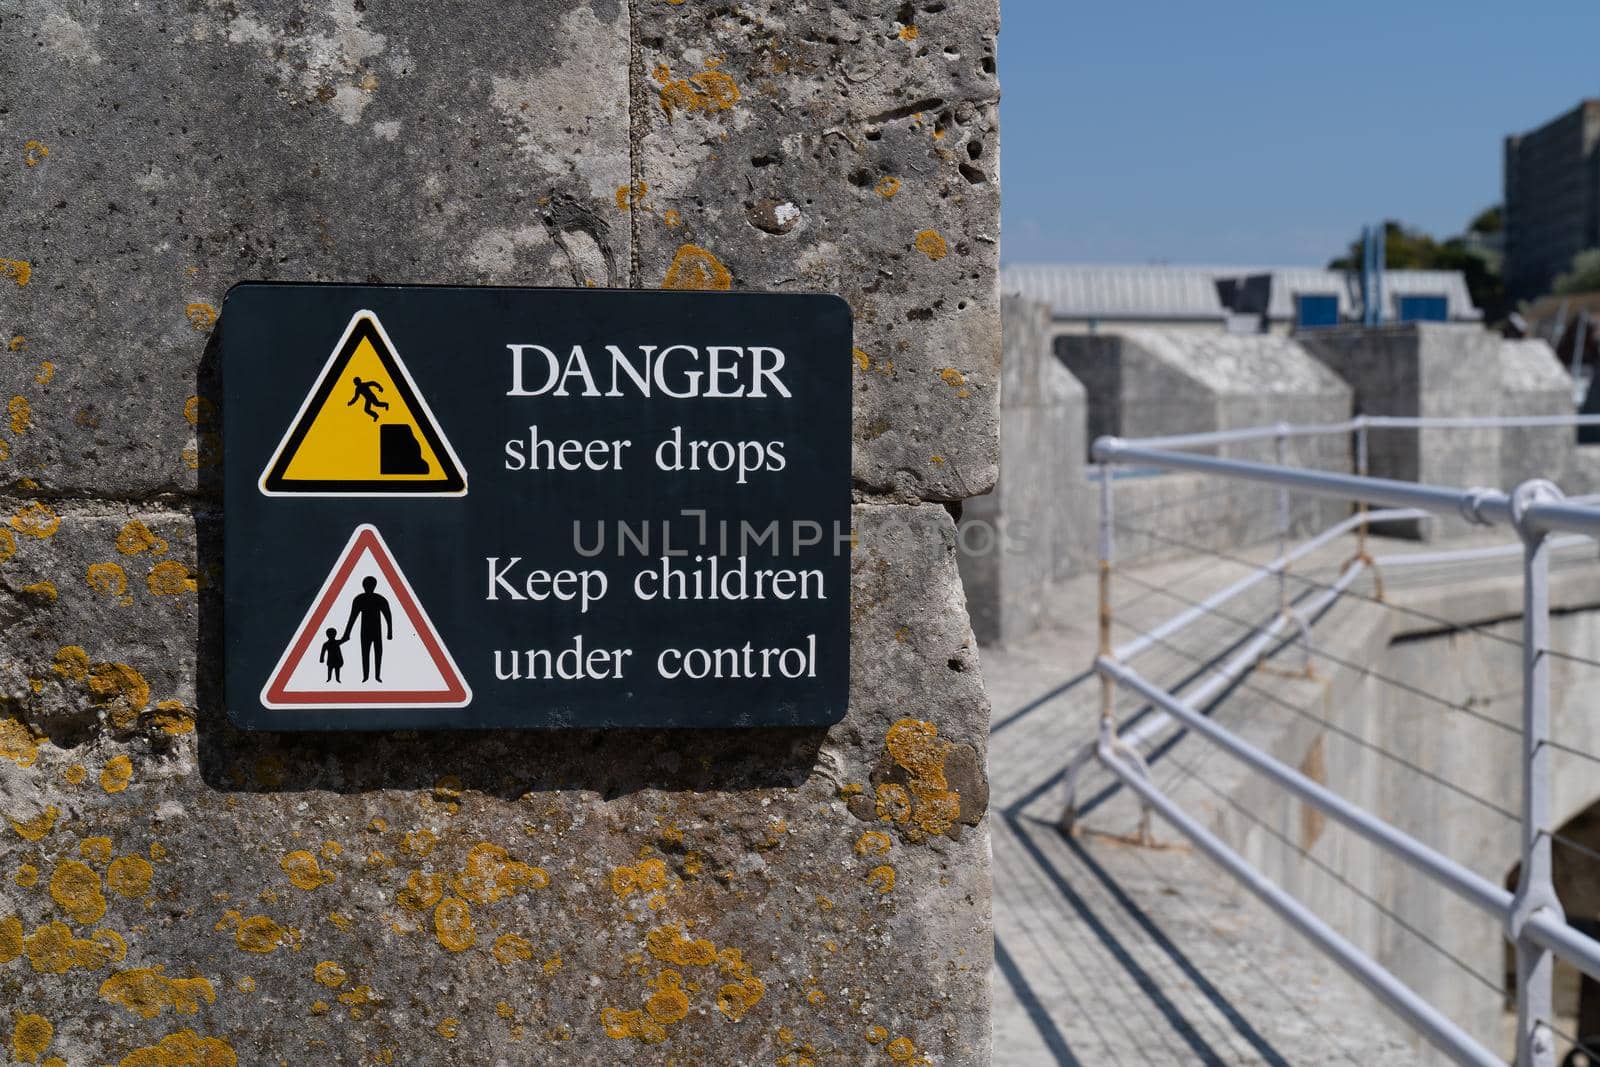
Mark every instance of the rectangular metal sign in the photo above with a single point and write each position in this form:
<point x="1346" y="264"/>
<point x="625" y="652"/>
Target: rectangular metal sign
<point x="494" y="507"/>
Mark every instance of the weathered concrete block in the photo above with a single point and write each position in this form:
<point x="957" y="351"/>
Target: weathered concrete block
<point x="852" y="149"/>
<point x="1034" y="526"/>
<point x="1533" y="382"/>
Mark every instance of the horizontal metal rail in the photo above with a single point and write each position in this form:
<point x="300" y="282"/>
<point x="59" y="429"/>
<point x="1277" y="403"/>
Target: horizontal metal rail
<point x="1576" y="948"/>
<point x="1433" y="1024"/>
<point x="1206" y="438"/>
<point x="1512" y="549"/>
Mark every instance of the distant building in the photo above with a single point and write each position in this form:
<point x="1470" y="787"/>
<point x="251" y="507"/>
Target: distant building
<point x="1093" y="298"/>
<point x="1552" y="195"/>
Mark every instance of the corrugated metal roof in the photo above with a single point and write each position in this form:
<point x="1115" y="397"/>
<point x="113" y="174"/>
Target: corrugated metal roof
<point x="1117" y="291"/>
<point x="1154" y="292"/>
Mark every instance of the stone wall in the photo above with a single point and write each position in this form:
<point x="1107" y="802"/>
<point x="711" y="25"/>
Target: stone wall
<point x="208" y="896"/>
<point x="1034" y="526"/>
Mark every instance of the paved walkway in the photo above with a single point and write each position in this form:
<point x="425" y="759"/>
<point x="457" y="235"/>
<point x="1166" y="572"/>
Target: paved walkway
<point x="1107" y="952"/>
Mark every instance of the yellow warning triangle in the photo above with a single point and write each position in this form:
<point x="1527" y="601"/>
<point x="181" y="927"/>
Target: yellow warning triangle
<point x="364" y="429"/>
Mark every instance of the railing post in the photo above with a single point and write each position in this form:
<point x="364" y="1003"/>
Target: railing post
<point x="1361" y="469"/>
<point x="1107" y="557"/>
<point x="1535" y="885"/>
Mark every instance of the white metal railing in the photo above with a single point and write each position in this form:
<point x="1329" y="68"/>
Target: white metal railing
<point x="1536" y="510"/>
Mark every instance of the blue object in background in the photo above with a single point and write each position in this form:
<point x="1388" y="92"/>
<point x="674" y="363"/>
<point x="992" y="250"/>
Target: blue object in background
<point x="1423" y="308"/>
<point x="1315" y="309"/>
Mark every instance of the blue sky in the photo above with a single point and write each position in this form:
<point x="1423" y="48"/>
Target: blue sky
<point x="1138" y="131"/>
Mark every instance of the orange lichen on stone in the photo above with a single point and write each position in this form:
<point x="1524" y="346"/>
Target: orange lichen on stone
<point x="136" y="537"/>
<point x="47" y="370"/>
<point x="21" y="413"/>
<point x="881" y="878"/>
<point x="671" y="218"/>
<point x="261" y="935"/>
<point x="18" y="270"/>
<point x="118" y="772"/>
<point x="872" y="842"/>
<point x="8" y="544"/>
<point x="915" y="746"/>
<point x="423" y="889"/>
<point x="887" y="186"/>
<point x="17" y="742"/>
<point x="863" y="361"/>
<point x="76" y="774"/>
<point x="901" y="1049"/>
<point x="552" y="965"/>
<point x="71" y="662"/>
<point x="452" y="925"/>
<point x="304" y="872"/>
<point x="694" y="267"/>
<point x="743" y="990"/>
<point x="489" y="874"/>
<point x="145" y="991"/>
<point x="52" y="949"/>
<point x="16" y="344"/>
<point x="631" y="195"/>
<point x="419" y="842"/>
<point x="34" y="151"/>
<point x="108" y="579"/>
<point x="35" y="827"/>
<point x="908" y="32"/>
<point x="36" y="520"/>
<point x="44" y="591"/>
<point x="201" y="316"/>
<point x="169" y="578"/>
<point x="183" y="1049"/>
<point x="198" y="411"/>
<point x="709" y="90"/>
<point x="172" y="718"/>
<point x="75" y="887"/>
<point x="130" y="876"/>
<point x="30" y="1037"/>
<point x="330" y="974"/>
<point x="509" y="948"/>
<point x="95" y="849"/>
<point x="448" y="1028"/>
<point x="10" y="938"/>
<point x="646" y="876"/>
<point x="668" y="944"/>
<point x="27" y="876"/>
<point x="930" y="244"/>
<point x="116" y="949"/>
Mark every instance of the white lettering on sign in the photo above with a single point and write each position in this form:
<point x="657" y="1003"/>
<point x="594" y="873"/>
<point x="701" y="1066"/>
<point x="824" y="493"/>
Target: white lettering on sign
<point x="676" y="371"/>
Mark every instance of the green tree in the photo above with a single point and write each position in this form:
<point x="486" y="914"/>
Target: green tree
<point x="1409" y="249"/>
<point x="1584" y="277"/>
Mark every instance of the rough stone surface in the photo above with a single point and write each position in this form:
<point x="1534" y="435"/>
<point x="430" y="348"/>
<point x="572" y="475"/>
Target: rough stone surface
<point x="1035" y="526"/>
<point x="787" y="897"/>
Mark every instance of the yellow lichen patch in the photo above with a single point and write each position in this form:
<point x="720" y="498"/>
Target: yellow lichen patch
<point x="36" y="520"/>
<point x="47" y="370"/>
<point x="45" y="591"/>
<point x="646" y="876"/>
<point x="304" y="872"/>
<point x="130" y="876"/>
<point x="95" y="849"/>
<point x="201" y="316"/>
<point x="452" y="925"/>
<point x="321" y="1007"/>
<point x="8" y="544"/>
<point x="21" y="413"/>
<point x="709" y="90"/>
<point x="816" y="997"/>
<point x="671" y="218"/>
<point x="504" y="1010"/>
<point x="908" y="33"/>
<point x="863" y="361"/>
<point x="358" y="998"/>
<point x="136" y="537"/>
<point x="27" y="876"/>
<point x="743" y="990"/>
<point x="552" y="965"/>
<point x="35" y="827"/>
<point x="118" y="772"/>
<point x="448" y="1028"/>
<point x="16" y="344"/>
<point x="10" y="938"/>
<point x="17" y="742"/>
<point x="120" y="689"/>
<point x="694" y="267"/>
<point x="18" y="270"/>
<point x="115" y="947"/>
<point x="172" y="718"/>
<point x="76" y="774"/>
<point x="169" y="578"/>
<point x="509" y="948"/>
<point x="30" y="1037"/>
<point x="183" y="1049"/>
<point x="930" y="244"/>
<point x="52" y="949"/>
<point x="108" y="579"/>
<point x="668" y="944"/>
<point x="490" y="875"/>
<point x="915" y="746"/>
<point x="901" y="1049"/>
<point x="343" y="922"/>
<point x="71" y="662"/>
<point x="419" y="842"/>
<point x="34" y="151"/>
<point x="198" y="411"/>
<point x="330" y="974"/>
<point x="873" y="843"/>
<point x="631" y="195"/>
<point x="887" y="186"/>
<point x="261" y="935"/>
<point x="75" y="887"/>
<point x="145" y="991"/>
<point x="881" y="878"/>
<point x="422" y="890"/>
<point x="158" y="852"/>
